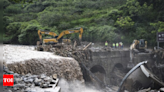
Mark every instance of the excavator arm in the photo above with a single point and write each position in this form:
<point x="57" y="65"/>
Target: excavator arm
<point x="71" y="32"/>
<point x="45" y="32"/>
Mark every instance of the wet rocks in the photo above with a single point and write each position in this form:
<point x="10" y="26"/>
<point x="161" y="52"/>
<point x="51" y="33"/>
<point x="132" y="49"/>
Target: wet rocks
<point x="24" y="83"/>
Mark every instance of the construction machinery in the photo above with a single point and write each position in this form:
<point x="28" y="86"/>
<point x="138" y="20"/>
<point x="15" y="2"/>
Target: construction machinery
<point x="56" y="39"/>
<point x="139" y="45"/>
<point x="59" y="38"/>
<point x="47" y="40"/>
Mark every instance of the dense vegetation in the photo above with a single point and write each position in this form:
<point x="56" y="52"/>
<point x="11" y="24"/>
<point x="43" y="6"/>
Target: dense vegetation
<point x="111" y="20"/>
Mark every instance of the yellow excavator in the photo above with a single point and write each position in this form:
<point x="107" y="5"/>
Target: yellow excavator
<point x="139" y="46"/>
<point x="47" y="40"/>
<point x="56" y="38"/>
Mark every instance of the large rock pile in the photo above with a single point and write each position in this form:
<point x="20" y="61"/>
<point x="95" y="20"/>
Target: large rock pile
<point x="30" y="83"/>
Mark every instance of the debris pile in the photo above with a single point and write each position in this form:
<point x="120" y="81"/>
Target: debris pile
<point x="31" y="83"/>
<point x="69" y="51"/>
<point x="157" y="64"/>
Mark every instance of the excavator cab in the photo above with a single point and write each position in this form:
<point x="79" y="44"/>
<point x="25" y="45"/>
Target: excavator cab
<point x="141" y="43"/>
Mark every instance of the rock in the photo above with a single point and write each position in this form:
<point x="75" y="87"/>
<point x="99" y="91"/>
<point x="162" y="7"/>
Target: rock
<point x="54" y="76"/>
<point x="27" y="75"/>
<point x="47" y="82"/>
<point x="19" y="85"/>
<point x="33" y="76"/>
<point x="16" y="75"/>
<point x="43" y="85"/>
<point x="27" y="89"/>
<point x="24" y="78"/>
<point x="37" y="81"/>
<point x="28" y="84"/>
<point x="39" y="84"/>
<point x="28" y="80"/>
<point x="10" y="72"/>
<point x="15" y="88"/>
<point x="32" y="85"/>
<point x="42" y="76"/>
<point x="5" y="69"/>
<point x="47" y="79"/>
<point x="17" y="80"/>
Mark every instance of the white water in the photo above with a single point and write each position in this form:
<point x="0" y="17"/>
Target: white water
<point x="16" y="53"/>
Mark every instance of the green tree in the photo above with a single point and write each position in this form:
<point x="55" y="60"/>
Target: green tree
<point x="29" y="35"/>
<point x="11" y="35"/>
<point x="124" y="22"/>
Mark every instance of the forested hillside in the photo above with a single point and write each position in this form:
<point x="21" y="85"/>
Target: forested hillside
<point x="111" y="20"/>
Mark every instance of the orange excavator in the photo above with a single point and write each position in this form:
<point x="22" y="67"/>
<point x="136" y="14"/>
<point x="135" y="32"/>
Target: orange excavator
<point x="56" y="38"/>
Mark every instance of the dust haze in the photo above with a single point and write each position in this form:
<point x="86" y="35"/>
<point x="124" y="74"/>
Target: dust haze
<point x="76" y="86"/>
